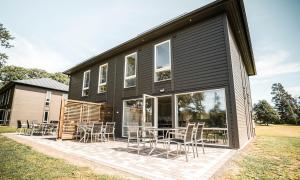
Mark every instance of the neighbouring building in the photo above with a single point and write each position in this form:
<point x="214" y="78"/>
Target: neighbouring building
<point x="193" y="68"/>
<point x="32" y="99"/>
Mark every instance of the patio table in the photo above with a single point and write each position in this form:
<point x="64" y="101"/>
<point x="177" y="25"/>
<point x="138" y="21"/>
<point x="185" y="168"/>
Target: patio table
<point x="214" y="129"/>
<point x="163" y="140"/>
<point x="86" y="130"/>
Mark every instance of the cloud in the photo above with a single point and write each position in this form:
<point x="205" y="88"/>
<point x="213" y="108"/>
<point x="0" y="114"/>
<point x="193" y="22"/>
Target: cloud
<point x="274" y="63"/>
<point x="31" y="54"/>
<point x="294" y="90"/>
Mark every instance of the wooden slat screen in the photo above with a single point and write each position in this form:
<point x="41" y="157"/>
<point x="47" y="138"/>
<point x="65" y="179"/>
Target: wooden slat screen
<point x="74" y="112"/>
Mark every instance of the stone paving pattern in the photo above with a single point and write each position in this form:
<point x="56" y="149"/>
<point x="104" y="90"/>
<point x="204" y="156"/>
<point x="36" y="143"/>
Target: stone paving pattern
<point x="115" y="154"/>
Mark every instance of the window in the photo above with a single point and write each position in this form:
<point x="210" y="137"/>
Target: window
<point x="132" y="113"/>
<point x="48" y="98"/>
<point x="46" y="117"/>
<point x="130" y="70"/>
<point x="162" y="61"/>
<point x="86" y="83"/>
<point x="102" y="84"/>
<point x="208" y="107"/>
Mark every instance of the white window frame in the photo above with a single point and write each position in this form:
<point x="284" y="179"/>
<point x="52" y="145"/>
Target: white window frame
<point x="207" y="90"/>
<point x="84" y="77"/>
<point x="170" y="61"/>
<point x="47" y="117"/>
<point x="125" y="70"/>
<point x="100" y="74"/>
<point x="48" y="101"/>
<point x="123" y="112"/>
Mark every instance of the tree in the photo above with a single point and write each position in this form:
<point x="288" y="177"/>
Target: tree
<point x="10" y="73"/>
<point x="285" y="104"/>
<point x="265" y="113"/>
<point x="5" y="38"/>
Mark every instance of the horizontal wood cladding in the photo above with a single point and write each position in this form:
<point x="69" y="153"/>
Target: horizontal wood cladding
<point x="199" y="62"/>
<point x="242" y="94"/>
<point x="199" y="56"/>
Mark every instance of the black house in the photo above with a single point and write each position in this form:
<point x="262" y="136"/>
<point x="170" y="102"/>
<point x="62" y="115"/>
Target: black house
<point x="193" y="68"/>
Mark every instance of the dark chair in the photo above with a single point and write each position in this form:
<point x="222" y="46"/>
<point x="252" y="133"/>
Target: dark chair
<point x="198" y="136"/>
<point x="21" y="126"/>
<point x="184" y="139"/>
<point x="97" y="132"/>
<point x="109" y="130"/>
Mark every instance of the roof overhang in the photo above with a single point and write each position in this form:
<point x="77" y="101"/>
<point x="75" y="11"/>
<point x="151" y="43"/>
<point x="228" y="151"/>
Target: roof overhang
<point x="236" y="16"/>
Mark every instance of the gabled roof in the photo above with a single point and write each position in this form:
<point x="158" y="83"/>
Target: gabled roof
<point x="236" y="16"/>
<point x="44" y="83"/>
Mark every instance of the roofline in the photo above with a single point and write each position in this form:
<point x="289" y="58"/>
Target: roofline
<point x="20" y="83"/>
<point x="13" y="83"/>
<point x="214" y="8"/>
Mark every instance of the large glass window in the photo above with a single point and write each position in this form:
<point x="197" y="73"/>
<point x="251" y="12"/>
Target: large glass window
<point x="130" y="70"/>
<point x="102" y="85"/>
<point x="162" y="68"/>
<point x="205" y="106"/>
<point x="132" y="114"/>
<point x="86" y="83"/>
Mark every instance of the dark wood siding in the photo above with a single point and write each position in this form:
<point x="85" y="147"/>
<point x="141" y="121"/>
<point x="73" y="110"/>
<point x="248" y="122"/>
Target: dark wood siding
<point x="200" y="56"/>
<point x="242" y="97"/>
<point x="200" y="61"/>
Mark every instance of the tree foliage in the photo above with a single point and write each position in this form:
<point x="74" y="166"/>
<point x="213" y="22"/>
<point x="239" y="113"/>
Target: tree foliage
<point x="9" y="73"/>
<point x="5" y="38"/>
<point x="285" y="104"/>
<point x="265" y="113"/>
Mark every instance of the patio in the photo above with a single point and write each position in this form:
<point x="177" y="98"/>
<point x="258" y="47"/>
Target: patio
<point x="114" y="154"/>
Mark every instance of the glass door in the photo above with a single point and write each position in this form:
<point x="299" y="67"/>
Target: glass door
<point x="149" y="111"/>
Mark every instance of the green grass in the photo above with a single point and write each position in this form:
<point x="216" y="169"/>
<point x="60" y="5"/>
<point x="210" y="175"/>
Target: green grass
<point x="6" y="129"/>
<point x="18" y="161"/>
<point x="275" y="154"/>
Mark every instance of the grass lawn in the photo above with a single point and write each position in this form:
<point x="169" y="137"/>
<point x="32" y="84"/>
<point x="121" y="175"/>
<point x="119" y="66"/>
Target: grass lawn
<point x="18" y="161"/>
<point x="6" y="129"/>
<point x="274" y="154"/>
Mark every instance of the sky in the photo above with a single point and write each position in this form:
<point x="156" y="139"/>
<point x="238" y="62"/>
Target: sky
<point x="55" y="35"/>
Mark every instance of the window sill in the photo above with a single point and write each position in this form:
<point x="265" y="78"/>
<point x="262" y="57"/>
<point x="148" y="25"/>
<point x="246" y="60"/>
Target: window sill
<point x="162" y="80"/>
<point x="130" y="87"/>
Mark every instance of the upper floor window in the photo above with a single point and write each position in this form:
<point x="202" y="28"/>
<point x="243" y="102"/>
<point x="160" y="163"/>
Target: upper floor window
<point x="86" y="83"/>
<point x="102" y="84"/>
<point x="48" y="98"/>
<point x="162" y="61"/>
<point x="130" y="70"/>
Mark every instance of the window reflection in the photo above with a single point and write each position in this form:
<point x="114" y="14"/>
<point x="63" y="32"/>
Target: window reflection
<point x="206" y="106"/>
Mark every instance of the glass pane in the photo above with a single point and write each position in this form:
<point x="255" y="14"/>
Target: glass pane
<point x="103" y="71"/>
<point x="86" y="79"/>
<point x="102" y="88"/>
<point x="208" y="107"/>
<point x="133" y="112"/>
<point x="130" y="82"/>
<point x="85" y="92"/>
<point x="130" y="65"/>
<point x="149" y="112"/>
<point x="163" y="55"/>
<point x="163" y="75"/>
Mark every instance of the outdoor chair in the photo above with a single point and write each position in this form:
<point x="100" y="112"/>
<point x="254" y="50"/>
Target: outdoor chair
<point x="36" y="128"/>
<point x="134" y="134"/>
<point x="29" y="128"/>
<point x="198" y="136"/>
<point x="97" y="132"/>
<point x="184" y="139"/>
<point x="109" y="130"/>
<point x="21" y="126"/>
<point x="84" y="131"/>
